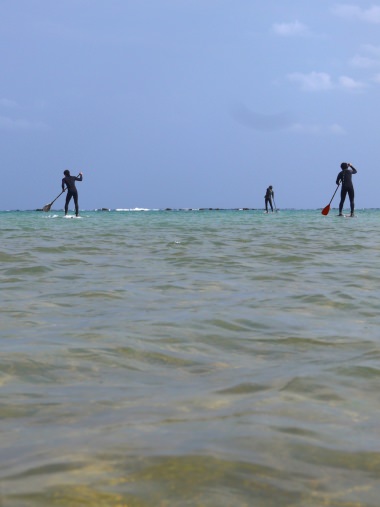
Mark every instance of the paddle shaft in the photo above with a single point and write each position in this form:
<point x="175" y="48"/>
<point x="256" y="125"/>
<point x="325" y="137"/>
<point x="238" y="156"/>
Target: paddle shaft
<point x="326" y="209"/>
<point x="64" y="190"/>
<point x="334" y="194"/>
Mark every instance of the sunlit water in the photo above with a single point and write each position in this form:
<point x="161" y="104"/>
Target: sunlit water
<point x="190" y="358"/>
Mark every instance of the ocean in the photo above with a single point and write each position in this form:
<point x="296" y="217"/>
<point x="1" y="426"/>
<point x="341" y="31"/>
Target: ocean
<point x="190" y="358"/>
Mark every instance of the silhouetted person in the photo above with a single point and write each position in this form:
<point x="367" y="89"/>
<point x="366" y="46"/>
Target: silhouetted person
<point x="268" y="198"/>
<point x="72" y="191"/>
<point x="345" y="178"/>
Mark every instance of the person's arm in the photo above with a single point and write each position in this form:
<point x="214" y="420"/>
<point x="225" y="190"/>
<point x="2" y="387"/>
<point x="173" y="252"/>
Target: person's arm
<point x="354" y="171"/>
<point x="79" y="177"/>
<point x="63" y="185"/>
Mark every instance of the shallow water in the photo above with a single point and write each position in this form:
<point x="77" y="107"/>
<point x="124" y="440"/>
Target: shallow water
<point x="190" y="358"/>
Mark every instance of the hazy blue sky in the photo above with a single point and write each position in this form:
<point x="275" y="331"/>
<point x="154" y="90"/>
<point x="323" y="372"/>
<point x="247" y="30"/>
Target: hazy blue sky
<point x="188" y="103"/>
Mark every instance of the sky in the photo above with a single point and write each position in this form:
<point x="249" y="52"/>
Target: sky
<point x="188" y="103"/>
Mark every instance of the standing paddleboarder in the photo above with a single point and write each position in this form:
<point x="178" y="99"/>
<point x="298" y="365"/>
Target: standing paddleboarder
<point x="268" y="198"/>
<point x="345" y="178"/>
<point x="72" y="191"/>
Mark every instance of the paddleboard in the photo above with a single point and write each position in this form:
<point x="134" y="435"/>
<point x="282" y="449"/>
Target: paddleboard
<point x="349" y="216"/>
<point x="70" y="216"/>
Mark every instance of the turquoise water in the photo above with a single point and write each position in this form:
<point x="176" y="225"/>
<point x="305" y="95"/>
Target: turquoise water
<point x="190" y="358"/>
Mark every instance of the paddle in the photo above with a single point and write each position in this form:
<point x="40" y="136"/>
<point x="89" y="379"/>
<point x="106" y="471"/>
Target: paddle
<point x="275" y="207"/>
<point x="326" y="209"/>
<point x="48" y="206"/>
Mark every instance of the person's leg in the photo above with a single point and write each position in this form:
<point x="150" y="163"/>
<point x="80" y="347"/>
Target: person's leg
<point x="343" y="194"/>
<point x="351" y="195"/>
<point x="68" y="198"/>
<point x="75" y="196"/>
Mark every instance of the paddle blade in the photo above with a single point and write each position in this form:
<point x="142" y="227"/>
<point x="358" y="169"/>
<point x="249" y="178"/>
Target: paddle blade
<point x="46" y="207"/>
<point x="326" y="210"/>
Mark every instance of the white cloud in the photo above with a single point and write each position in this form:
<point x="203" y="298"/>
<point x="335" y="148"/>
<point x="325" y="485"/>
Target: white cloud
<point x="321" y="81"/>
<point x="371" y="57"/>
<point x="11" y="124"/>
<point x="373" y="50"/>
<point x="314" y="81"/>
<point x="335" y="128"/>
<point x="363" y="62"/>
<point x="317" y="129"/>
<point x="351" y="84"/>
<point x="370" y="15"/>
<point x="292" y="29"/>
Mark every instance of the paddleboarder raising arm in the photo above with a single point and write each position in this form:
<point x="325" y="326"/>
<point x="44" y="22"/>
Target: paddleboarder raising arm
<point x="345" y="178"/>
<point x="269" y="194"/>
<point x="72" y="192"/>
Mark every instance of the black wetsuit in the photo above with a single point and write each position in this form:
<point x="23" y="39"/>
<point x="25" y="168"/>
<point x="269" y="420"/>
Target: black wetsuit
<point x="345" y="178"/>
<point x="268" y="198"/>
<point x="72" y="192"/>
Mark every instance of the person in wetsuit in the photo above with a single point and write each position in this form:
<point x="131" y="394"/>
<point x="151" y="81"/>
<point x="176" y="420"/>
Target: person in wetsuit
<point x="268" y="198"/>
<point x="345" y="178"/>
<point x="72" y="192"/>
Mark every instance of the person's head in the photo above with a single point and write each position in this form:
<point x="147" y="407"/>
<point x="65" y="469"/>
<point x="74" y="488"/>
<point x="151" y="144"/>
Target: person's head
<point x="270" y="186"/>
<point x="66" y="172"/>
<point x="343" y="165"/>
